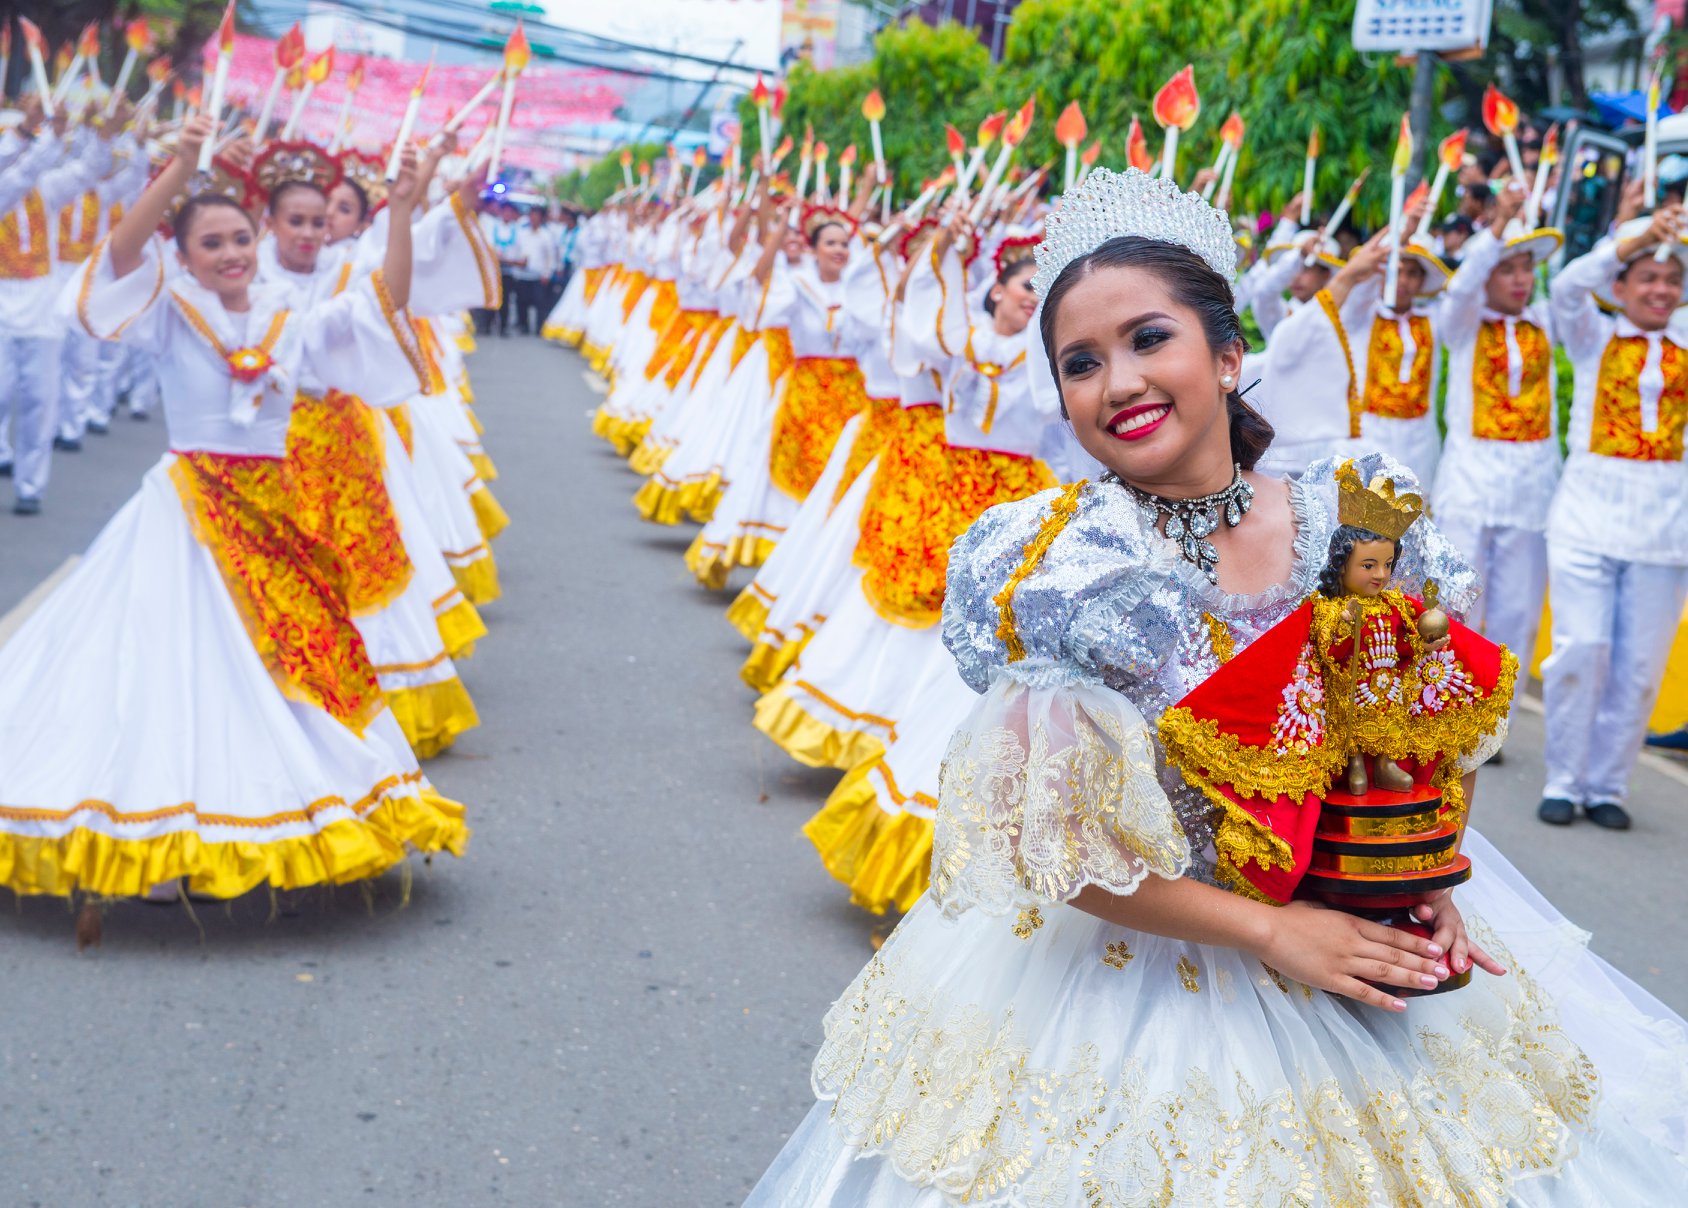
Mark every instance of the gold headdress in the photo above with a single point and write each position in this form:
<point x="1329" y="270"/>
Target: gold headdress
<point x="225" y="178"/>
<point x="1014" y="251"/>
<point x="1375" y="508"/>
<point x="816" y="217"/>
<point x="283" y="163"/>
<point x="367" y="172"/>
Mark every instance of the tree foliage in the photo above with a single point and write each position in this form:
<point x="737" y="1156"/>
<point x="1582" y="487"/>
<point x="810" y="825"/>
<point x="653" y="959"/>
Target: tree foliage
<point x="590" y="188"/>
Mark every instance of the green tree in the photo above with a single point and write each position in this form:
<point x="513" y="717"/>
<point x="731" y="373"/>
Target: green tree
<point x="591" y="188"/>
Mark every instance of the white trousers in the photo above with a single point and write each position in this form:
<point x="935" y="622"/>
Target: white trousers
<point x="1613" y="624"/>
<point x="1511" y="564"/>
<point x="81" y="377"/>
<point x="141" y="382"/>
<point x="30" y="370"/>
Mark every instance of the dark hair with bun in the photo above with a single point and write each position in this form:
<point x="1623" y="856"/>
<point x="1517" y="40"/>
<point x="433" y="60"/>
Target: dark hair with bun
<point x="1342" y="543"/>
<point x="815" y="235"/>
<point x="289" y="186"/>
<point x="1193" y="284"/>
<point x="204" y="201"/>
<point x="1015" y="268"/>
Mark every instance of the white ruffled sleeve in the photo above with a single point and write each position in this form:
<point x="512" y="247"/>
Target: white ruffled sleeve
<point x="108" y="307"/>
<point x="1051" y="783"/>
<point x="363" y="344"/>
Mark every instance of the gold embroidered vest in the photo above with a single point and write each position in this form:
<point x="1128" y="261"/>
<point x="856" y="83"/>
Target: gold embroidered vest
<point x="1616" y="429"/>
<point x="1386" y="394"/>
<point x="1497" y="413"/>
<point x="25" y="258"/>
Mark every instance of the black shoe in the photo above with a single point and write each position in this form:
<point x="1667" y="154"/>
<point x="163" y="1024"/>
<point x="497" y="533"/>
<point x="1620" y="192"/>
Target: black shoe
<point x="140" y="416"/>
<point x="1608" y="814"/>
<point x="1496" y="759"/>
<point x="98" y="427"/>
<point x="5" y="469"/>
<point x="26" y="506"/>
<point x="1556" y="811"/>
<point x="67" y="444"/>
<point x="1675" y="740"/>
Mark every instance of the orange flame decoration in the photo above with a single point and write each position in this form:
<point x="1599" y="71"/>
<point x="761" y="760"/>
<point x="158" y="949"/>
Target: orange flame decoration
<point x="1353" y="193"/>
<point x="1177" y="103"/>
<point x="991" y="128"/>
<point x="849" y="156"/>
<point x="295" y="79"/>
<point x="700" y="157"/>
<point x="61" y="61"/>
<point x="354" y="77"/>
<point x="290" y="48"/>
<point x="1137" y="147"/>
<point x="1550" y="147"/>
<point x="1500" y="114"/>
<point x="1315" y="144"/>
<point x="225" y="31"/>
<point x="319" y="68"/>
<point x="779" y="99"/>
<point x="5" y="39"/>
<point x="1020" y="124"/>
<point x="138" y="36"/>
<point x="158" y="69"/>
<point x="1451" y="150"/>
<point x="1090" y="154"/>
<point x="88" y="43"/>
<point x="822" y="151"/>
<point x="1403" y="148"/>
<point x="873" y="108"/>
<point x="178" y="90"/>
<point x="784" y="149"/>
<point x="427" y="74"/>
<point x="808" y="139"/>
<point x="517" y="53"/>
<point x="1070" y="127"/>
<point x="627" y="157"/>
<point x="1232" y="131"/>
<point x="759" y="94"/>
<point x="953" y="139"/>
<point x="32" y="36"/>
<point x="1417" y="195"/>
<point x="946" y="178"/>
<point x="194" y="95"/>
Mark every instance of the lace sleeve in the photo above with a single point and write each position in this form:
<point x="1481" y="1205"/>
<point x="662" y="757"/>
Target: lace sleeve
<point x="1046" y="790"/>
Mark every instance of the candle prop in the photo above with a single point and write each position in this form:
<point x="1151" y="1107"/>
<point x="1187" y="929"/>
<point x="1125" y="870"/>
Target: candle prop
<point x="69" y="70"/>
<point x="778" y="106"/>
<point x="407" y="124"/>
<point x="759" y="97"/>
<point x="1137" y="147"/>
<point x="219" y="84"/>
<point x="1070" y="131"/>
<point x="885" y="191"/>
<point x="1220" y="160"/>
<point x="5" y="52"/>
<point x="1088" y="159"/>
<point x="35" y="45"/>
<point x="1500" y="116"/>
<point x="1348" y="200"/>
<point x="780" y="152"/>
<point x="193" y="98"/>
<point x="846" y="164"/>
<point x="158" y="74"/>
<point x="1177" y="105"/>
<point x="1397" y="199"/>
<point x="822" y="152"/>
<point x="473" y="103"/>
<point x="1450" y="153"/>
<point x="627" y="167"/>
<point x="873" y="109"/>
<point x="516" y="57"/>
<point x="137" y="36"/>
<point x="1544" y="169"/>
<point x="700" y="157"/>
<point x="956" y="144"/>
<point x="1231" y="134"/>
<point x="289" y="51"/>
<point x="1012" y="135"/>
<point x="343" y="123"/>
<point x="804" y="163"/>
<point x="989" y="131"/>
<point x="88" y="50"/>
<point x="1309" y="170"/>
<point x="316" y="71"/>
<point x="1650" y="143"/>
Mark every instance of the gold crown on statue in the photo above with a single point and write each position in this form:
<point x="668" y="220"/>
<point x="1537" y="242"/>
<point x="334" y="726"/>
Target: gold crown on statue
<point x="369" y="173"/>
<point x="1375" y="507"/>
<point x="283" y="163"/>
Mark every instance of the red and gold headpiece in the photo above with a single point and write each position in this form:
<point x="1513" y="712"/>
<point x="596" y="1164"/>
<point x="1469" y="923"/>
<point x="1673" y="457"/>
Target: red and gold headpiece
<point x="1015" y="251"/>
<point x="299" y="161"/>
<point x="816" y="217"/>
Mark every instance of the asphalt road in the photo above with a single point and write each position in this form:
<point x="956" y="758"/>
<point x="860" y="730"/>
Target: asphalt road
<point x="614" y="997"/>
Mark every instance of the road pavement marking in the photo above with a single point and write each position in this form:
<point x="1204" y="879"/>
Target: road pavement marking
<point x="12" y="621"/>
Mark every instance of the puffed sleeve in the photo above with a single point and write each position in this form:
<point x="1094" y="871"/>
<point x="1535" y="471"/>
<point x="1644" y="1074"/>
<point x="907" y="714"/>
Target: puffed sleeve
<point x="364" y="345"/>
<point x="935" y="319"/>
<point x="108" y="307"/>
<point x="768" y="304"/>
<point x="1050" y="784"/>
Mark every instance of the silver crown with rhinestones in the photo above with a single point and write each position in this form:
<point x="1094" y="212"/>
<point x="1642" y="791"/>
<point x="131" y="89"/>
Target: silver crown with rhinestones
<point x="1111" y="204"/>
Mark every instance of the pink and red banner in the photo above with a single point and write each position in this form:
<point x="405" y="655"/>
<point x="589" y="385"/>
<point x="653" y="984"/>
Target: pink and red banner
<point x="548" y="99"/>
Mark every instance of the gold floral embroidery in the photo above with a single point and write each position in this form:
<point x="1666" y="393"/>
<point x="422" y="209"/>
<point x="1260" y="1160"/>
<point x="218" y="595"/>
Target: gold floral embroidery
<point x="76" y="239"/>
<point x="1030" y="920"/>
<point x="1060" y="512"/>
<point x="1278" y="979"/>
<point x="1386" y="394"/>
<point x="1188" y="975"/>
<point x="1219" y="635"/>
<point x="1498" y="414"/>
<point x="820" y="398"/>
<point x="1616" y="430"/>
<point x="781" y="355"/>
<point x="884" y="423"/>
<point x="1328" y="305"/>
<point x="18" y="262"/>
<point x="1117" y="955"/>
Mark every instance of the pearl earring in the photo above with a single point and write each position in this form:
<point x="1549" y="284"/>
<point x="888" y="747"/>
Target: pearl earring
<point x="1227" y="381"/>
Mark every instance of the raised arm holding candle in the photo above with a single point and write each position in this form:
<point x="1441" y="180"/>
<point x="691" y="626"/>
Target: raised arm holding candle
<point x="1347" y="204"/>
<point x="1070" y="131"/>
<point x="219" y="85"/>
<point x="1177" y="106"/>
<point x="67" y="76"/>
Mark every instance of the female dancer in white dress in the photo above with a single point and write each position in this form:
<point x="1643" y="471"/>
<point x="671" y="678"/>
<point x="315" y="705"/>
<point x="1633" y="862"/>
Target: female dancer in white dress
<point x="1079" y="1014"/>
<point x="194" y="700"/>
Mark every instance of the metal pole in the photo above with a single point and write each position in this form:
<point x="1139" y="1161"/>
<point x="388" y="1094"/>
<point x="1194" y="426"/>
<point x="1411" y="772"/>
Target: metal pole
<point x="1424" y="87"/>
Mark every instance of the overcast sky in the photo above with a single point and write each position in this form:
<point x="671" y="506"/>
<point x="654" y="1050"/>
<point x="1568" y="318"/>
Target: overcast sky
<point x="699" y="27"/>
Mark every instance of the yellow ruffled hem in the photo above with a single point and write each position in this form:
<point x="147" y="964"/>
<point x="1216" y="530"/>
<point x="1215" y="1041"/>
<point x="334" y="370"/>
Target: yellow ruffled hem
<point x="597" y="356"/>
<point x="809" y="740"/>
<point x="603" y="422"/>
<point x="490" y="516"/>
<point x="86" y="861"/>
<point x="465" y="342"/>
<point x="572" y="336"/>
<point x="885" y="860"/>
<point x="483" y="467"/>
<point x="478" y="580"/>
<point x="650" y="456"/>
<point x="658" y="504"/>
<point x="460" y="628"/>
<point x="433" y="715"/>
<point x="767" y="662"/>
<point x="749" y="613"/>
<point x="625" y="434"/>
<point x="713" y="564"/>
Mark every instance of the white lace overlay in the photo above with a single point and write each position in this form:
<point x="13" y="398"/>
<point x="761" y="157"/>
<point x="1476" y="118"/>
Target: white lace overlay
<point x="1046" y="790"/>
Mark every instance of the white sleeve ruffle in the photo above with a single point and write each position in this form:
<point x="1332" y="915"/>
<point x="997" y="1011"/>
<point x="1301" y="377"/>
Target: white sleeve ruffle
<point x="108" y="307"/>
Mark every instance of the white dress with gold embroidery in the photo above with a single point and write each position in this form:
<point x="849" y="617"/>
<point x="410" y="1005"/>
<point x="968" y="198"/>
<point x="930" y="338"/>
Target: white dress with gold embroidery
<point x="1005" y="1048"/>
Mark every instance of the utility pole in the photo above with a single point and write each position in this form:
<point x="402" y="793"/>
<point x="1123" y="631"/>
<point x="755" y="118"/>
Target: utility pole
<point x="1424" y="90"/>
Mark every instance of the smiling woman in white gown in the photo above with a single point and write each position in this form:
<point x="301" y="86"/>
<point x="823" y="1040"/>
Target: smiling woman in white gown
<point x="194" y="701"/>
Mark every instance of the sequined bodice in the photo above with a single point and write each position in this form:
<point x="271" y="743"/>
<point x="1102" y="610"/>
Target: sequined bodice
<point x="1111" y="601"/>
